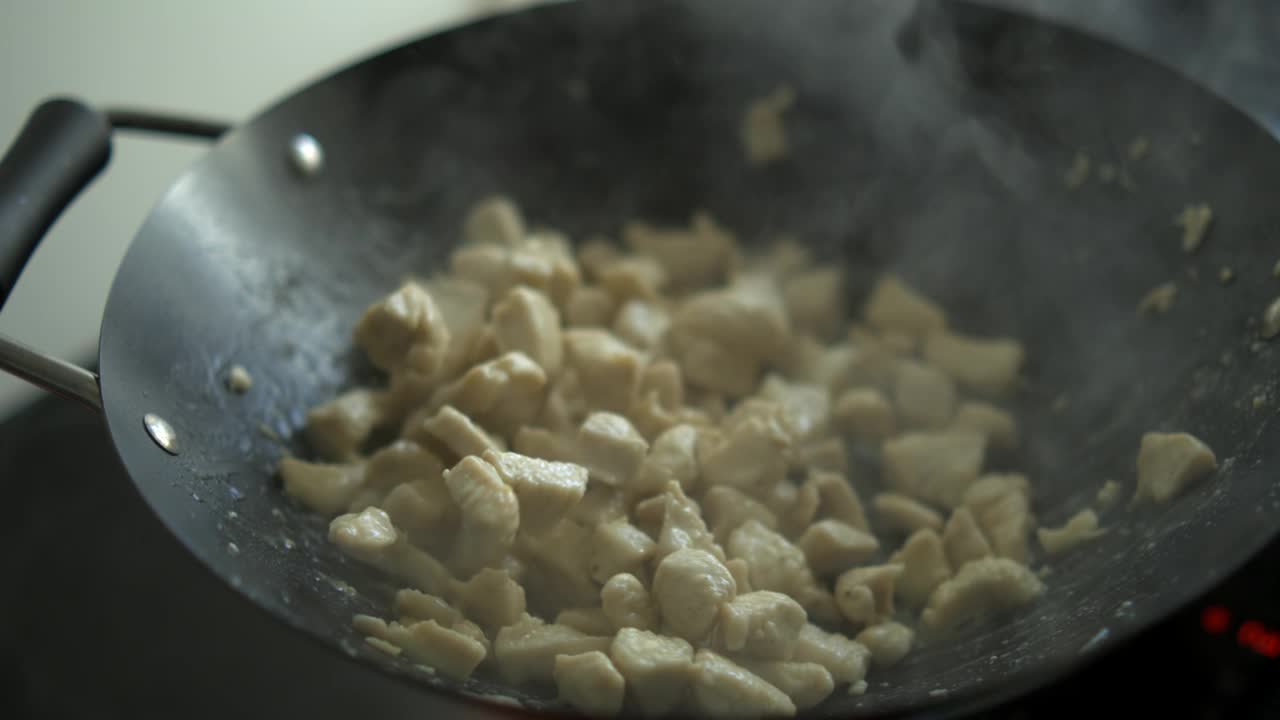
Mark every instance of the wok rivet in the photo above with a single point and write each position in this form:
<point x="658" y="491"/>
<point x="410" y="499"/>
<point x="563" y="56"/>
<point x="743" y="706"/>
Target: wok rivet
<point x="306" y="154"/>
<point x="161" y="432"/>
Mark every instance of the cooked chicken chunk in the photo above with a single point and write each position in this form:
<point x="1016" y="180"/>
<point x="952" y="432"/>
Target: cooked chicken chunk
<point x="490" y="514"/>
<point x="590" y="683"/>
<point x="526" y="651"/>
<point x="982" y="586"/>
<point x="1080" y="528"/>
<point x="1169" y="462"/>
<point x="724" y="689"/>
<point x="934" y="467"/>
<point x="526" y="321"/>
<point x="658" y="669"/>
<point x="761" y="624"/>
<point x="610" y="447"/>
<point x="689" y="587"/>
<point x="627" y="604"/>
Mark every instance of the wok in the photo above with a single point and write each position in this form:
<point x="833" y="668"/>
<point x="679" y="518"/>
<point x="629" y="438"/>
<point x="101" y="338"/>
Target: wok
<point x="932" y="145"/>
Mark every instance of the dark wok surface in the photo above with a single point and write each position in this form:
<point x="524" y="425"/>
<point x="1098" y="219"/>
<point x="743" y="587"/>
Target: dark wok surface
<point x="949" y="173"/>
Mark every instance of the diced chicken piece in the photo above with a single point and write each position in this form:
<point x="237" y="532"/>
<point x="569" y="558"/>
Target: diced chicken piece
<point x="845" y="659"/>
<point x="611" y="448"/>
<point x="642" y="324"/>
<point x="1002" y="506"/>
<point x="682" y="525"/>
<point x="590" y="683"/>
<point x="338" y="428"/>
<point x="689" y="587"/>
<point x="632" y="277"/>
<point x="504" y="393"/>
<point x="760" y="624"/>
<point x="453" y="654"/>
<point x="673" y="457"/>
<point x="963" y="539"/>
<point x="806" y="683"/>
<point x="815" y="301"/>
<point x="724" y="689"/>
<point x="658" y="669"/>
<point x="589" y="621"/>
<point x="608" y="369"/>
<point x="865" y="415"/>
<point x="619" y="547"/>
<point x="559" y="566"/>
<point x="552" y="248"/>
<point x="627" y="603"/>
<point x="803" y="509"/>
<point x="423" y="510"/>
<point x="693" y="258"/>
<point x="1168" y="463"/>
<point x="894" y="306"/>
<point x="831" y="546"/>
<point x="1081" y="528"/>
<point x="746" y="318"/>
<point x="449" y="428"/>
<point x="499" y="268"/>
<point x="725" y="509"/>
<point x="492" y="597"/>
<point x="544" y="444"/>
<point x="462" y="305"/>
<point x="934" y="467"/>
<point x="898" y="342"/>
<point x="750" y="456"/>
<point x="526" y="321"/>
<point x="806" y="409"/>
<point x="403" y="461"/>
<point x="828" y="454"/>
<point x="778" y="565"/>
<point x="490" y="514"/>
<point x="566" y="405"/>
<point x="600" y="505"/>
<point x="809" y="361"/>
<point x="326" y="489"/>
<point x="925" y="398"/>
<point x="764" y="136"/>
<point x="888" y="642"/>
<point x="546" y="490"/>
<point x="664" y="378"/>
<point x="365" y="533"/>
<point x="412" y="605"/>
<point x="590" y="307"/>
<point x="741" y="573"/>
<point x="495" y="219"/>
<point x="865" y="594"/>
<point x="838" y="499"/>
<point x="1108" y="494"/>
<point x="981" y="587"/>
<point x="899" y="512"/>
<point x="404" y="329"/>
<point x="924" y="567"/>
<point x="526" y="651"/>
<point x="987" y="367"/>
<point x="712" y="367"/>
<point x="873" y="363"/>
<point x="596" y="253"/>
<point x="995" y="424"/>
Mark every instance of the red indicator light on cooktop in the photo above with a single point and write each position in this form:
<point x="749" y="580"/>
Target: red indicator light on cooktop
<point x="1215" y="619"/>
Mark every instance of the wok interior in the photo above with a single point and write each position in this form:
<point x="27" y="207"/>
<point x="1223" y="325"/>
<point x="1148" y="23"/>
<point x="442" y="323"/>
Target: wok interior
<point x="932" y="152"/>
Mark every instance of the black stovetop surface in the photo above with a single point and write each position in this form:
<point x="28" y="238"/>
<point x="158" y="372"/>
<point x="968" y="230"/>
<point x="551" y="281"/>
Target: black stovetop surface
<point x="105" y="615"/>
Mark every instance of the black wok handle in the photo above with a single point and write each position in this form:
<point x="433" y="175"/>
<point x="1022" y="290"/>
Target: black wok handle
<point x="61" y="149"/>
<point x="63" y="146"/>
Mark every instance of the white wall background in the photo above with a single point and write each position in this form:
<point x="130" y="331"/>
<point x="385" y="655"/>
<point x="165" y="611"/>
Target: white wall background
<point x="224" y="59"/>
